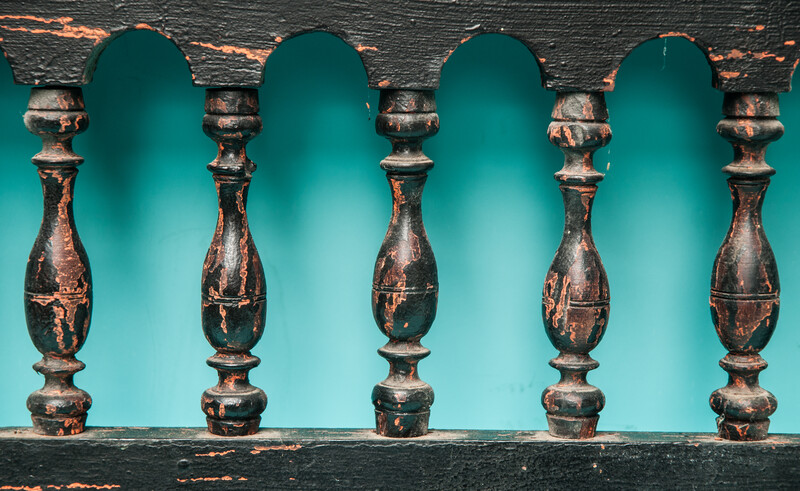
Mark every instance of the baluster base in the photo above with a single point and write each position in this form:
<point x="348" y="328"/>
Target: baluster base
<point x="232" y="427"/>
<point x="743" y="406"/>
<point x="59" y="408"/>
<point x="401" y="425"/>
<point x="573" y="428"/>
<point x="50" y="426"/>
<point x="233" y="413"/>
<point x="742" y="431"/>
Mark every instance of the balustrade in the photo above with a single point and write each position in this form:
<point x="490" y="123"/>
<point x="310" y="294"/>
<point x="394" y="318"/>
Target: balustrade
<point x="753" y="49"/>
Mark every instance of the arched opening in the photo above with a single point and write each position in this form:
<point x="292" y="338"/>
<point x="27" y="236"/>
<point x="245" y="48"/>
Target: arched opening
<point x="665" y="213"/>
<point x="318" y="208"/>
<point x="145" y="209"/>
<point x="494" y="216"/>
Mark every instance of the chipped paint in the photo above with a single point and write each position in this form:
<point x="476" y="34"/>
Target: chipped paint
<point x="450" y="52"/>
<point x="288" y="448"/>
<point x="745" y="299"/>
<point x="575" y="299"/>
<point x="233" y="298"/>
<point x="361" y="48"/>
<point x="448" y="55"/>
<point x="215" y="454"/>
<point x="405" y="285"/>
<point x="77" y="485"/>
<point x="736" y="54"/>
<point x="67" y="30"/>
<point x="677" y="34"/>
<point x="74" y="485"/>
<point x="57" y="280"/>
<point x="610" y="80"/>
<point x="259" y="55"/>
<point x="210" y="479"/>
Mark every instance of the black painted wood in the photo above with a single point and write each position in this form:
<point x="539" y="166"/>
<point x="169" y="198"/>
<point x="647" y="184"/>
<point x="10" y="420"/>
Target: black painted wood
<point x="579" y="45"/>
<point x="58" y="281"/>
<point x="405" y="287"/>
<point x="752" y="48"/>
<point x="575" y="300"/>
<point x="187" y="458"/>
<point x="234" y="291"/>
<point x="745" y="289"/>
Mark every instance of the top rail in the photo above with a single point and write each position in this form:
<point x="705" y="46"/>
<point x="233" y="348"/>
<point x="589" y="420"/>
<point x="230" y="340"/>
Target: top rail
<point x="403" y="44"/>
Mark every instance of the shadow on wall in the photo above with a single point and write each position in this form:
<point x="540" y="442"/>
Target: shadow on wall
<point x="319" y="206"/>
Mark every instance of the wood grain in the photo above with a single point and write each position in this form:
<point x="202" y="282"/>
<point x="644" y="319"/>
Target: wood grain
<point x="578" y="45"/>
<point x="188" y="458"/>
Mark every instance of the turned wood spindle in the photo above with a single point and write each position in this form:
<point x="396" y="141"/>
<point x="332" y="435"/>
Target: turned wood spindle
<point x="575" y="302"/>
<point x="405" y="286"/>
<point x="744" y="282"/>
<point x="234" y="290"/>
<point x="58" y="282"/>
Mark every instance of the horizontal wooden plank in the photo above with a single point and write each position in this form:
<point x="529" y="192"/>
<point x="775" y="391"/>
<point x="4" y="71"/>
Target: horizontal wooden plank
<point x="177" y="458"/>
<point x="578" y="45"/>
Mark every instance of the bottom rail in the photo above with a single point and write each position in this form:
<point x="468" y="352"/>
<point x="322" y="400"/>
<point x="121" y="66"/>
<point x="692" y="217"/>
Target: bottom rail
<point x="174" y="458"/>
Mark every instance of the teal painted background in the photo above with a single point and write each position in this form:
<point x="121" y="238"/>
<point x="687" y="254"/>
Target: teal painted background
<point x="319" y="207"/>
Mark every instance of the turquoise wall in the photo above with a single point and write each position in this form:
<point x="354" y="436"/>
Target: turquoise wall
<point x="319" y="207"/>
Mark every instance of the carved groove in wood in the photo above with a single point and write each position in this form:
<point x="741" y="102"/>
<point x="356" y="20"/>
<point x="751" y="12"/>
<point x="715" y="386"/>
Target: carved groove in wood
<point x="58" y="282"/>
<point x="234" y="293"/>
<point x="745" y="289"/>
<point x="575" y="302"/>
<point x="405" y="287"/>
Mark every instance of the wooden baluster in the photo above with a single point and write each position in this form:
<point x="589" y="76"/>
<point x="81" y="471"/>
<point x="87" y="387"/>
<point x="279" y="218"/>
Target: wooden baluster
<point x="58" y="282"/>
<point x="405" y="287"/>
<point x="575" y="302"/>
<point x="233" y="287"/>
<point x="744" y="282"/>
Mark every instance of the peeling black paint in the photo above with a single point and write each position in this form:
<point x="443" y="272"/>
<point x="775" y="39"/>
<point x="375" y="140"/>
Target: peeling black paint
<point x="579" y="46"/>
<point x="58" y="281"/>
<point x="575" y="301"/>
<point x="405" y="287"/>
<point x="745" y="289"/>
<point x="234" y="291"/>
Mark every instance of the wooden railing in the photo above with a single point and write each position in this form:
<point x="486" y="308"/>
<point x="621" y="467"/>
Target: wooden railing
<point x="752" y="48"/>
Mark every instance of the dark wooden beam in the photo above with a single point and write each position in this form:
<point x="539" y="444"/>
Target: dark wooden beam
<point x="578" y="44"/>
<point x="167" y="458"/>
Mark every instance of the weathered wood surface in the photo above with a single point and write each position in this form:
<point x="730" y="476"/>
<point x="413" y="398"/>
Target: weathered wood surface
<point x="405" y="287"/>
<point x="745" y="289"/>
<point x="234" y="291"/>
<point x="752" y="48"/>
<point x="579" y="45"/>
<point x="575" y="300"/>
<point x="58" y="280"/>
<point x="144" y="458"/>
